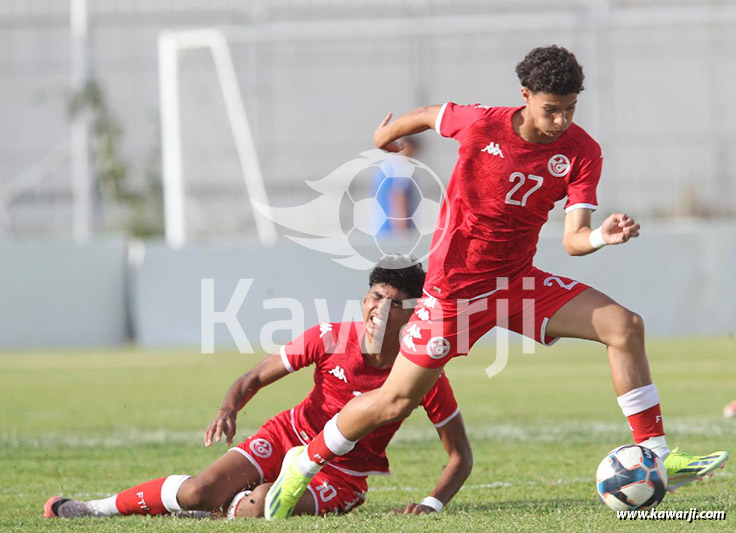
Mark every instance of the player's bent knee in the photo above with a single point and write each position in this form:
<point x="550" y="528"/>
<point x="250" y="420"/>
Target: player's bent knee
<point x="194" y="495"/>
<point x="637" y="322"/>
<point x="190" y="495"/>
<point x="632" y="325"/>
<point x="622" y="328"/>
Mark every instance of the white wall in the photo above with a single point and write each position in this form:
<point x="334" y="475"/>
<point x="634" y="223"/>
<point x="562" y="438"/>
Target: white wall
<point x="681" y="280"/>
<point x="62" y="295"/>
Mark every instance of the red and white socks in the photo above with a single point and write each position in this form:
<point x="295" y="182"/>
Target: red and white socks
<point x="153" y="497"/>
<point x="329" y="444"/>
<point x="641" y="407"/>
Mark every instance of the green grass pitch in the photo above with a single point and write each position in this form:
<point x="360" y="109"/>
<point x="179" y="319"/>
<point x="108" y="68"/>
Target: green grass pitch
<point x="88" y="424"/>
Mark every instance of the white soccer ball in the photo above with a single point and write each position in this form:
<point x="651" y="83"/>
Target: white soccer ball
<point x="631" y="478"/>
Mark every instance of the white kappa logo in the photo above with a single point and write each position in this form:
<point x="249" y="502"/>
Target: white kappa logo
<point x="339" y="373"/>
<point x="493" y="149"/>
<point x="559" y="165"/>
<point x="438" y="347"/>
<point x="261" y="447"/>
<point x="324" y="329"/>
<point x="410" y="333"/>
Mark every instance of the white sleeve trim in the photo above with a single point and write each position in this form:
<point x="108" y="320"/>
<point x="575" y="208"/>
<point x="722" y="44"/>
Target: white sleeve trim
<point x="439" y="118"/>
<point x="448" y="419"/>
<point x="573" y="207"/>
<point x="285" y="359"/>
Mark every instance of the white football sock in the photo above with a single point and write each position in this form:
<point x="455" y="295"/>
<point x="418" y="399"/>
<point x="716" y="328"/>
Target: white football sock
<point x="638" y="400"/>
<point x="104" y="507"/>
<point x="169" y="490"/>
<point x="335" y="440"/>
<point x="306" y="466"/>
<point x="658" y="445"/>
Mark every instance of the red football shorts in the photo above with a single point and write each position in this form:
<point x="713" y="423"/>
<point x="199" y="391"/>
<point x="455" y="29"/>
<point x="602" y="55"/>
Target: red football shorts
<point x="440" y="329"/>
<point x="333" y="491"/>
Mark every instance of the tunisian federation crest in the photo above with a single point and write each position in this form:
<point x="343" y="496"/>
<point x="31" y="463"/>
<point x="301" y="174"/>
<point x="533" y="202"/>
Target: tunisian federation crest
<point x="559" y="165"/>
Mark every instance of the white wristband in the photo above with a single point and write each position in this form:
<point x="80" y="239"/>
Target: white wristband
<point x="596" y="238"/>
<point x="434" y="503"/>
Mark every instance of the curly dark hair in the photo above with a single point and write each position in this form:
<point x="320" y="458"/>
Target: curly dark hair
<point x="400" y="272"/>
<point x="552" y="70"/>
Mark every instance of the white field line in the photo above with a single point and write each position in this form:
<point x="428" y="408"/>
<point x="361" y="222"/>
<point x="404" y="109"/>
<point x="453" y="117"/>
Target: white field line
<point x="574" y="432"/>
<point x="84" y="496"/>
<point x="118" y="439"/>
<point x="475" y="486"/>
<point x="570" y="432"/>
<point x="494" y="485"/>
<point x="506" y="484"/>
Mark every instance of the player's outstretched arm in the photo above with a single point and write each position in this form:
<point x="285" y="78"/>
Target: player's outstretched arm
<point x="245" y="387"/>
<point x="458" y="468"/>
<point x="416" y="121"/>
<point x="579" y="239"/>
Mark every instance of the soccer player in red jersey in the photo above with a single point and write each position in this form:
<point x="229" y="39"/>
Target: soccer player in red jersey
<point x="513" y="164"/>
<point x="350" y="359"/>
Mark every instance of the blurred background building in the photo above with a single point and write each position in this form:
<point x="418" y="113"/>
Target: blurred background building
<point x="268" y="94"/>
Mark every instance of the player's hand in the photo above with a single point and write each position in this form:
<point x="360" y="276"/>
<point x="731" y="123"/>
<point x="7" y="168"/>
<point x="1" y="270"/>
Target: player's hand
<point x="224" y="423"/>
<point x="417" y="508"/>
<point x="619" y="228"/>
<point x="379" y="137"/>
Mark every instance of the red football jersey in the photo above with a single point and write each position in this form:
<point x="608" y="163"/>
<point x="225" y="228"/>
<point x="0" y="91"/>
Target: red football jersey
<point x="342" y="373"/>
<point x="499" y="196"/>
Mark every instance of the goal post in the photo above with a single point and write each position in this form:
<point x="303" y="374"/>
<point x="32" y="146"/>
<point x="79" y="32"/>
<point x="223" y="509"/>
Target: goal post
<point x="170" y="44"/>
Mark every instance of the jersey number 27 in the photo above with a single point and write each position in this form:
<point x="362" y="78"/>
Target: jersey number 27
<point x="521" y="179"/>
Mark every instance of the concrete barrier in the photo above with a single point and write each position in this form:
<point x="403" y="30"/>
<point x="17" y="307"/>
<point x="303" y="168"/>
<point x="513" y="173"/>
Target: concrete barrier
<point x="680" y="279"/>
<point x="63" y="295"/>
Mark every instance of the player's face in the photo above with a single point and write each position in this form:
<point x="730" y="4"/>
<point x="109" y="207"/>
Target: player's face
<point x="384" y="314"/>
<point x="551" y="114"/>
